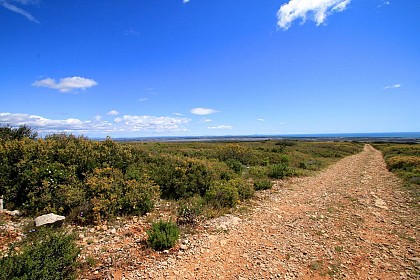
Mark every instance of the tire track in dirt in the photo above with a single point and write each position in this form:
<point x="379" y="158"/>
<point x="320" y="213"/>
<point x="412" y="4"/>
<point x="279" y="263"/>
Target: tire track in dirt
<point x="350" y="221"/>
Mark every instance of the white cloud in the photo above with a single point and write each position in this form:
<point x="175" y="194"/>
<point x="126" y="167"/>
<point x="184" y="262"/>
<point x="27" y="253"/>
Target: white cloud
<point x="205" y="120"/>
<point x="113" y="113"/>
<point x="126" y="124"/>
<point x="143" y="99"/>
<point x="158" y="124"/>
<point x="8" y="4"/>
<point x="393" y="86"/>
<point x="220" y="127"/>
<point x="185" y="1"/>
<point x="98" y="117"/>
<point x="384" y="3"/>
<point x="66" y="84"/>
<point x="317" y="10"/>
<point x="203" y="111"/>
<point x="261" y="120"/>
<point x="178" y="114"/>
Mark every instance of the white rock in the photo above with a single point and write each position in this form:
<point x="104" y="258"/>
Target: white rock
<point x="49" y="219"/>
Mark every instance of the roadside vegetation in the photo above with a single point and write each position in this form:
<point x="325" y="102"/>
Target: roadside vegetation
<point x="92" y="182"/>
<point x="404" y="160"/>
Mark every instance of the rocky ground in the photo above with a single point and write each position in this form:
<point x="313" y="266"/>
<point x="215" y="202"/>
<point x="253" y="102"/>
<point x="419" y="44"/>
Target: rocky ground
<point x="350" y="221"/>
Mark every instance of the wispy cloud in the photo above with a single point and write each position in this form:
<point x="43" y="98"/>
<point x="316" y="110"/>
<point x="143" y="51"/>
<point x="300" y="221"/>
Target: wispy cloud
<point x="113" y="113"/>
<point x="220" y="127"/>
<point x="143" y="99"/>
<point x="203" y="111"/>
<point x="125" y="124"/>
<point x="206" y="120"/>
<point x="12" y="6"/>
<point x="178" y="114"/>
<point x="185" y="1"/>
<point x="68" y="84"/>
<point x="384" y="3"/>
<point x="261" y="120"/>
<point x="131" y="32"/>
<point x="393" y="86"/>
<point x="316" y="10"/>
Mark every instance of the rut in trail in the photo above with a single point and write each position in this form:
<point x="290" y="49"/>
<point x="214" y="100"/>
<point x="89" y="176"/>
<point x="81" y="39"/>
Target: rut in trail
<point x="350" y="221"/>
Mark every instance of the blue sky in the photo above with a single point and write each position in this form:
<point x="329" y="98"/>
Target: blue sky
<point x="158" y="68"/>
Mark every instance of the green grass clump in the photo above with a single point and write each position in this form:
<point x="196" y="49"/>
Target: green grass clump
<point x="262" y="185"/>
<point x="404" y="161"/>
<point x="163" y="235"/>
<point x="279" y="171"/>
<point x="48" y="255"/>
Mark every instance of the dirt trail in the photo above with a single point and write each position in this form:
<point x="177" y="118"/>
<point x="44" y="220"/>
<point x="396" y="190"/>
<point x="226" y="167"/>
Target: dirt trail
<point x="350" y="221"/>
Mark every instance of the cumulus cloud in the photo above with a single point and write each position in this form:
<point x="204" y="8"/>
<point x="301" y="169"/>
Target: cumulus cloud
<point x="393" y="86"/>
<point x="11" y="5"/>
<point x="125" y="124"/>
<point x="158" y="124"/>
<point x="66" y="84"/>
<point x="220" y="127"/>
<point x="113" y="113"/>
<point x="203" y="111"/>
<point x="317" y="10"/>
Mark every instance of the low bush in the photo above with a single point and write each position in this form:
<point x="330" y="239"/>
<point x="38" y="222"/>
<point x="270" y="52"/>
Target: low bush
<point x="279" y="171"/>
<point x="262" y="185"/>
<point x="245" y="188"/>
<point x="235" y="165"/>
<point x="163" y="235"/>
<point x="222" y="194"/>
<point x="48" y="255"/>
<point x="189" y="210"/>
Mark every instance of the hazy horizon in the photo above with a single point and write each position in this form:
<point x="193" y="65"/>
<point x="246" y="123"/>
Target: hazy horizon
<point x="205" y="68"/>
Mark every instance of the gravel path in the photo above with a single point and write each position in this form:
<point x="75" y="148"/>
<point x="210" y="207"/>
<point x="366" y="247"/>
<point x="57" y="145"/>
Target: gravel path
<point x="350" y="221"/>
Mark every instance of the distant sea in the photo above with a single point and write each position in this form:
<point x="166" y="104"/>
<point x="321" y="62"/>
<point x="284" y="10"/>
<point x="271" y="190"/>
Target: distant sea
<point x="410" y="137"/>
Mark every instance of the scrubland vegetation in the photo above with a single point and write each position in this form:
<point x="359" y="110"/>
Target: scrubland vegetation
<point x="404" y="160"/>
<point x="92" y="181"/>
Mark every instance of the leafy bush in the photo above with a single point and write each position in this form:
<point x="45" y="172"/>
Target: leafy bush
<point x="9" y="133"/>
<point x="310" y="165"/>
<point x="51" y="255"/>
<point x="279" y="171"/>
<point x="189" y="210"/>
<point x="262" y="185"/>
<point x="222" y="194"/>
<point x="112" y="195"/>
<point x="245" y="188"/>
<point x="181" y="178"/>
<point x="139" y="197"/>
<point x="235" y="165"/>
<point x="163" y="235"/>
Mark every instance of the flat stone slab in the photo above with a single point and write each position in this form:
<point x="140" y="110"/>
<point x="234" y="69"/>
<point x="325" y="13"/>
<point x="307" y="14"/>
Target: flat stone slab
<point x="49" y="219"/>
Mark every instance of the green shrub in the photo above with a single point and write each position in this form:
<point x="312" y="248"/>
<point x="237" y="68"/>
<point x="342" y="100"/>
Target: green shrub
<point x="279" y="171"/>
<point x="257" y="172"/>
<point x="50" y="255"/>
<point x="262" y="185"/>
<point x="222" y="194"/>
<point x="245" y="188"/>
<point x="181" y="177"/>
<point x="163" y="235"/>
<point x="189" y="210"/>
<point x="235" y="165"/>
<point x="139" y="197"/>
